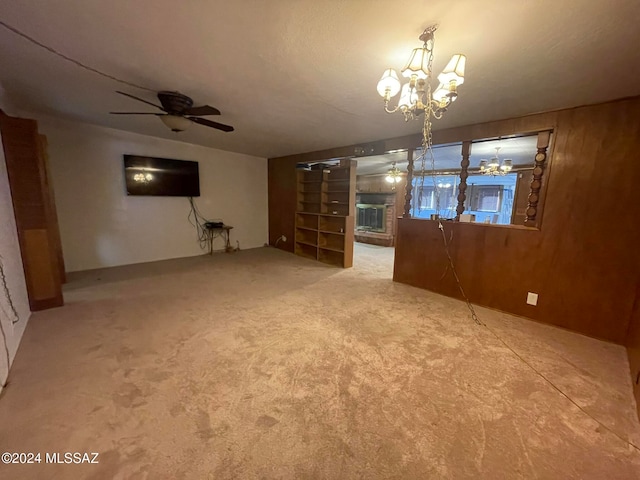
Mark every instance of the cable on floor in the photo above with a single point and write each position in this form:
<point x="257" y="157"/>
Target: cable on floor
<point x="475" y="318"/>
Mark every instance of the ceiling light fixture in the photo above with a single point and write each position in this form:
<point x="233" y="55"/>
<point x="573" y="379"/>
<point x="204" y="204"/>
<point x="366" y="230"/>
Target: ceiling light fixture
<point x="415" y="95"/>
<point x="494" y="167"/>
<point x="176" y="123"/>
<point x="394" y="175"/>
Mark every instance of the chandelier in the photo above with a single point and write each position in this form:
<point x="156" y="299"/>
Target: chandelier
<point x="494" y="167"/>
<point x="415" y="95"/>
<point x="394" y="175"/>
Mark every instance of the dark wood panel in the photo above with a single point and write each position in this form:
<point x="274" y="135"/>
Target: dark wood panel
<point x="282" y="202"/>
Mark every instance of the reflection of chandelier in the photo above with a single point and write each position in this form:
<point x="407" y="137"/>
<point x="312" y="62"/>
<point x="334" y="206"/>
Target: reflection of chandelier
<point x="417" y="91"/>
<point x="494" y="167"/>
<point x="393" y="175"/>
<point x="143" y="177"/>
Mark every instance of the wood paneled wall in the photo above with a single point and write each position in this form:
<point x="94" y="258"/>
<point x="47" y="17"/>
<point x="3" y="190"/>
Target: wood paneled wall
<point x="583" y="262"/>
<point x="34" y="213"/>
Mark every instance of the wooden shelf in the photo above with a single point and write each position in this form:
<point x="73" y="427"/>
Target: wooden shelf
<point x="306" y="243"/>
<point x="331" y="249"/>
<point x="326" y="234"/>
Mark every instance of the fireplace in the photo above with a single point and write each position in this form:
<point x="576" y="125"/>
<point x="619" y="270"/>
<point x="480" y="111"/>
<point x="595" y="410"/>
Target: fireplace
<point x="371" y="218"/>
<point x="375" y="213"/>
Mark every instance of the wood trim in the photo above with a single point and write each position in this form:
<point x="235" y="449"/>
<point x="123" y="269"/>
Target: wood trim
<point x="464" y="174"/>
<point x="536" y="181"/>
<point x="406" y="213"/>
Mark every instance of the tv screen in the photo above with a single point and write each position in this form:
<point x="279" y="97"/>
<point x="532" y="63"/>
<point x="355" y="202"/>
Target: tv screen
<point x="161" y="176"/>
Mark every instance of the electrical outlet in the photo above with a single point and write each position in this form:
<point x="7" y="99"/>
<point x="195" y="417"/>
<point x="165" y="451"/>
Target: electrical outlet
<point x="284" y="239"/>
<point x="532" y="298"/>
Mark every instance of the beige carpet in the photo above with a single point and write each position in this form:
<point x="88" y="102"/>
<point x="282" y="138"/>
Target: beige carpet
<point x="264" y="365"/>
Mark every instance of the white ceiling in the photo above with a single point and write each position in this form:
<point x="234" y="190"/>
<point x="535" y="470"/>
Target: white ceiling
<point x="297" y="76"/>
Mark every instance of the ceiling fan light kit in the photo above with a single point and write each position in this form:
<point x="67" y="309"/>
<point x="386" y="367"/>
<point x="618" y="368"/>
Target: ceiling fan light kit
<point x="175" y="122"/>
<point x="179" y="112"/>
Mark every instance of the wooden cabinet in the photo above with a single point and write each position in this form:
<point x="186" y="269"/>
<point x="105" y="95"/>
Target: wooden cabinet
<point x="325" y="214"/>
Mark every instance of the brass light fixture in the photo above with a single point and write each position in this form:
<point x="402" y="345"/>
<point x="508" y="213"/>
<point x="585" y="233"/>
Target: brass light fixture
<point x="415" y="95"/>
<point x="494" y="167"/>
<point x="394" y="175"/>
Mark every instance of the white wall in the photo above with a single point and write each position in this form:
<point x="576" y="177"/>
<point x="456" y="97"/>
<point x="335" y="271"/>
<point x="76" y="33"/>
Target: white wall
<point x="101" y="226"/>
<point x="13" y="274"/>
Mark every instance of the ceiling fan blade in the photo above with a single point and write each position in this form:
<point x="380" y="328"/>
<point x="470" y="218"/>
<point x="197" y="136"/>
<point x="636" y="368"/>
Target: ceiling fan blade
<point x="140" y="100"/>
<point x="209" y="123"/>
<point x="203" y="110"/>
<point x="135" y="113"/>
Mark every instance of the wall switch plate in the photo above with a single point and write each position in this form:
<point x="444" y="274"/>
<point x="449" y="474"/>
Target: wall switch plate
<point x="532" y="298"/>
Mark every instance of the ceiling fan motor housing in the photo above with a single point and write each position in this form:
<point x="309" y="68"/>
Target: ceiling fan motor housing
<point x="175" y="103"/>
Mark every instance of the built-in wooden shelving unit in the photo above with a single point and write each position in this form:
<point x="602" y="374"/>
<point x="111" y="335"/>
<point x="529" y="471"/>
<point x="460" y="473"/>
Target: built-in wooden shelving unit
<point x="325" y="213"/>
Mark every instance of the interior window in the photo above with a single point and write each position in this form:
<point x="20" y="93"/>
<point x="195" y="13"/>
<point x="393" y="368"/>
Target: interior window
<point x="498" y="183"/>
<point x="435" y="192"/>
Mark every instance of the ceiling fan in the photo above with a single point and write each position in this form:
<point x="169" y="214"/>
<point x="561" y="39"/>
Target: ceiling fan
<point x="179" y="112"/>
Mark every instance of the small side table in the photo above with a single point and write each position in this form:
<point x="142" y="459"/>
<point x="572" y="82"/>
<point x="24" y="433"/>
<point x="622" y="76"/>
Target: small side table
<point x="225" y="232"/>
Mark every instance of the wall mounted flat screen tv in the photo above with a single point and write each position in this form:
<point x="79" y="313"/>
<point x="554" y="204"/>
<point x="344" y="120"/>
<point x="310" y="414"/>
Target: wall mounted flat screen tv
<point x="161" y="176"/>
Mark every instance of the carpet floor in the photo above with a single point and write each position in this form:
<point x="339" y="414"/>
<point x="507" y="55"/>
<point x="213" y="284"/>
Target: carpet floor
<point x="264" y="365"/>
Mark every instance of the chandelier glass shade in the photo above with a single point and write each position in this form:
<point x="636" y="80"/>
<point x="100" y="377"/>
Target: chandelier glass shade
<point x="416" y="96"/>
<point x="494" y="166"/>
